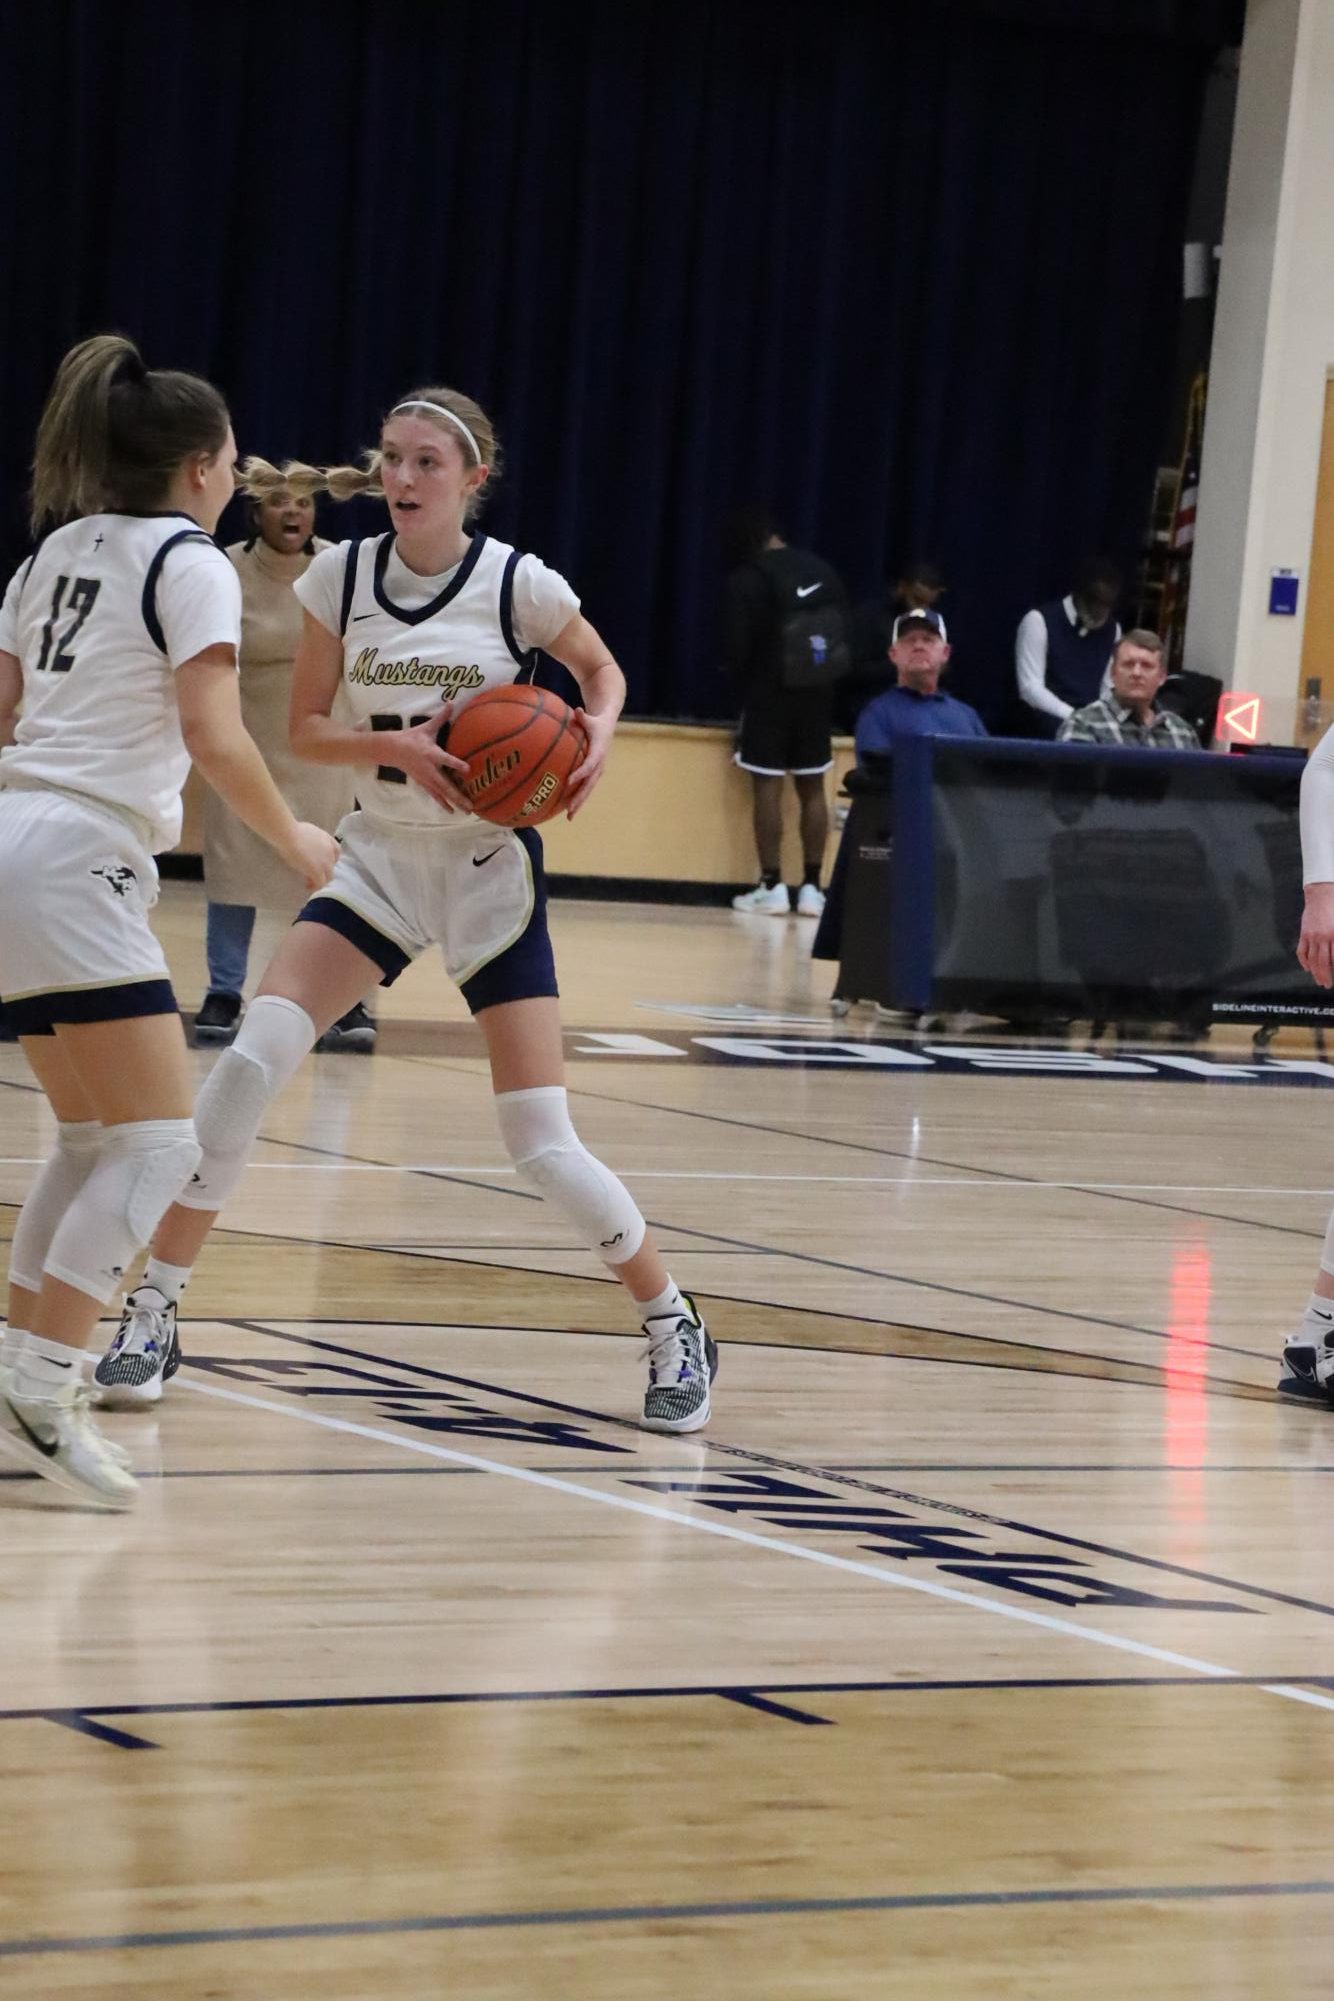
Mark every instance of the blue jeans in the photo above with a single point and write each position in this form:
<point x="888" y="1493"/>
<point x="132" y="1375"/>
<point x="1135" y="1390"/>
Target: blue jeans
<point x="227" y="945"/>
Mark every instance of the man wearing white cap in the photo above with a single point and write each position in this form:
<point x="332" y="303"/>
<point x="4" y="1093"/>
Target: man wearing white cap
<point x="916" y="706"/>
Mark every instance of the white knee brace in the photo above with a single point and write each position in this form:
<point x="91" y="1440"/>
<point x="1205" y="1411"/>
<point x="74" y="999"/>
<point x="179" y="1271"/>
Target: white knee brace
<point x="267" y="1053"/>
<point x="544" y="1146"/>
<point x="139" y="1171"/>
<point x="63" y="1175"/>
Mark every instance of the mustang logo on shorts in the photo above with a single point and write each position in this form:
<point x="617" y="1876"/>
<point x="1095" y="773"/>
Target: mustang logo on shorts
<point x="118" y="877"/>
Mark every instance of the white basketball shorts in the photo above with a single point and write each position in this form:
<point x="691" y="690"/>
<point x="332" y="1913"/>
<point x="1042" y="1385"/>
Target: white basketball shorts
<point x="477" y="892"/>
<point x="76" y="886"/>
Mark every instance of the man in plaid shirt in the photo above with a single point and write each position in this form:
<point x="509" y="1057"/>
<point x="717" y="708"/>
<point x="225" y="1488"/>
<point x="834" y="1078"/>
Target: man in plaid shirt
<point x="1126" y="714"/>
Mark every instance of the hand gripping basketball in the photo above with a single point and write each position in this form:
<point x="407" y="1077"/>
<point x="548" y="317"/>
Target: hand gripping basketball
<point x="420" y="754"/>
<point x="520" y="747"/>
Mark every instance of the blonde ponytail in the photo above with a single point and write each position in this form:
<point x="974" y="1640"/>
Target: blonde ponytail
<point x="260" y="479"/>
<point x="113" y="432"/>
<point x="69" y="464"/>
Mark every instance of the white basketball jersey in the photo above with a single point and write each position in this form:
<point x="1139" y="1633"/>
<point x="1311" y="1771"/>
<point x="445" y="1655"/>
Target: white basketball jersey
<point x="400" y="663"/>
<point x="99" y="618"/>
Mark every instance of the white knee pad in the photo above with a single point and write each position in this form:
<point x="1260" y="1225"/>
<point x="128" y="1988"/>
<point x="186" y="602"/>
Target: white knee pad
<point x="62" y="1176"/>
<point x="546" y="1149"/>
<point x="139" y="1171"/>
<point x="267" y="1053"/>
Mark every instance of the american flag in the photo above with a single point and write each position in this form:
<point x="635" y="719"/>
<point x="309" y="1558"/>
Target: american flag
<point x="1183" y="525"/>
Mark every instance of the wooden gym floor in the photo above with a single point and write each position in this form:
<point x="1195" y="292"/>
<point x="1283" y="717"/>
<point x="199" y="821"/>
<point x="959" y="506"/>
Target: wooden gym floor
<point x="981" y="1647"/>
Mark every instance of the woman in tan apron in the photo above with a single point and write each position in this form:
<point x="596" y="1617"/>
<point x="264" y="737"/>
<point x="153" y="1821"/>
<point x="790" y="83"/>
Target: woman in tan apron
<point x="241" y="874"/>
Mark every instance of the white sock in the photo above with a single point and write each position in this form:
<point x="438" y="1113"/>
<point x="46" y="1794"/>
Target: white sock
<point x="668" y="1303"/>
<point x="169" y="1280"/>
<point x="46" y="1366"/>
<point x="11" y="1347"/>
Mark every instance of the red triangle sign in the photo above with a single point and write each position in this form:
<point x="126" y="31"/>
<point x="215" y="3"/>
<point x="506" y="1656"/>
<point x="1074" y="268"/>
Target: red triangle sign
<point x="1239" y="718"/>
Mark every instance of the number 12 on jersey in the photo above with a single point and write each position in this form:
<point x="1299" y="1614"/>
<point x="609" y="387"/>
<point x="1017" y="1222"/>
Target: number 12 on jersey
<point x="82" y="597"/>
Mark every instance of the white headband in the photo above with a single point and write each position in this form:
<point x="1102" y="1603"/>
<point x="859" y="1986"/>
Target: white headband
<point x="420" y="403"/>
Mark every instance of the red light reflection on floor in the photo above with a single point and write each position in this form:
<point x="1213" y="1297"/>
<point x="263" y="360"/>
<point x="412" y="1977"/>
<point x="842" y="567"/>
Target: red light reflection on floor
<point x="1186" y="1408"/>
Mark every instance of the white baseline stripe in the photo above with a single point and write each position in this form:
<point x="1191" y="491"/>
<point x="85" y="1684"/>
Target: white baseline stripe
<point x="729" y="1532"/>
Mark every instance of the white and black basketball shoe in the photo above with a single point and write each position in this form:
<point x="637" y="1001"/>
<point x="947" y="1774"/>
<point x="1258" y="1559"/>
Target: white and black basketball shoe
<point x="682" y="1362"/>
<point x="1308" y="1357"/>
<point x="145" y="1353"/>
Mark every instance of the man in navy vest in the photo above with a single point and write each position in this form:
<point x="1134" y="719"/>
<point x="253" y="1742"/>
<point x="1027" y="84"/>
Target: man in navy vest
<point x="1063" y="649"/>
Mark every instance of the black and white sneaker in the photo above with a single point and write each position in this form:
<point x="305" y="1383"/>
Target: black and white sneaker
<point x="682" y="1362"/>
<point x="353" y="1031"/>
<point x="218" y="1018"/>
<point x="1308" y="1360"/>
<point x="145" y="1354"/>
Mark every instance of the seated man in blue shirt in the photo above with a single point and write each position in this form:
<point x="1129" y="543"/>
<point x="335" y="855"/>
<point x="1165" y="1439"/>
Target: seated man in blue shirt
<point x="916" y="707"/>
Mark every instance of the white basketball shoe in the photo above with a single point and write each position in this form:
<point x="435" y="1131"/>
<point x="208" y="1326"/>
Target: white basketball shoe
<point x="55" y="1435"/>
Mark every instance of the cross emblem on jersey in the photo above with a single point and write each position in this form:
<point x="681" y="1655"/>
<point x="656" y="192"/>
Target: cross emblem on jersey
<point x="98" y="539"/>
<point x="117" y="877"/>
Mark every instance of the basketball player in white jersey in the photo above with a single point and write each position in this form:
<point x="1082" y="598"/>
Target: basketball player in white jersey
<point x="408" y="627"/>
<point x="118" y="643"/>
<point x="1308" y="1353"/>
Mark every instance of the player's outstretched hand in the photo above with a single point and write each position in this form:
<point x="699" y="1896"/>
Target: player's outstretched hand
<point x="599" y="731"/>
<point x="1315" y="947"/>
<point x="418" y="755"/>
<point x="313" y="854"/>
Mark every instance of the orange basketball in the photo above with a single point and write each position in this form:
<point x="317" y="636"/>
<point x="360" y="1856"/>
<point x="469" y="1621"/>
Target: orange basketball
<point x="520" y="745"/>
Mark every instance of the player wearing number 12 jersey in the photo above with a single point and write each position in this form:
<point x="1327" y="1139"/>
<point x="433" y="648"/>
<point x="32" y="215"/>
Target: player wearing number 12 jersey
<point x="118" y="646"/>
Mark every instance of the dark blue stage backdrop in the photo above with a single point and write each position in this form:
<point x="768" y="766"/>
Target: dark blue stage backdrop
<point x="907" y="269"/>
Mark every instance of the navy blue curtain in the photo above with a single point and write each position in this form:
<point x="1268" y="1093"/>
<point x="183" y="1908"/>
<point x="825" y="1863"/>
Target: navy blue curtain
<point x="907" y="270"/>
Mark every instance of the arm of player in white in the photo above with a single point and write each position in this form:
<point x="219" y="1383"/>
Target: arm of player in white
<point x="580" y="647"/>
<point x="209" y="699"/>
<point x="316" y="735"/>
<point x="1315" y="947"/>
<point x="11" y="694"/>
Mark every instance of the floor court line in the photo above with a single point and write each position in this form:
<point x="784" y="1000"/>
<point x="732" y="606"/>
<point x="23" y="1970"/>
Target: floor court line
<point x="89" y="1717"/>
<point x="777" y="1464"/>
<point x="824" y="1263"/>
<point x="965" y="1168"/>
<point x="353" y="1165"/>
<point x="741" y="1244"/>
<point x="1048" y="1466"/>
<point x="649" y="1914"/>
<point x="748" y="1698"/>
<point x="1214" y="1385"/>
<point x="895" y="1153"/>
<point x="88" y="1725"/>
<point x="803" y="1257"/>
<point x="833" y="1469"/>
<point x="1218" y="1384"/>
<point x="962" y="1512"/>
<point x="730" y="1532"/>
